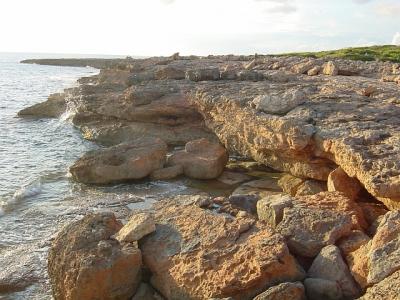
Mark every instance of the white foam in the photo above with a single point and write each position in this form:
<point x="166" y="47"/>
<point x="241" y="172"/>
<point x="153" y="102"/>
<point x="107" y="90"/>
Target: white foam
<point x="27" y="191"/>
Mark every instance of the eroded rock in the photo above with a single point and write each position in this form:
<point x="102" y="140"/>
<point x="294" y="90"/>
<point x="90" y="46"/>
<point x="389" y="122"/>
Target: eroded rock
<point x="284" y="291"/>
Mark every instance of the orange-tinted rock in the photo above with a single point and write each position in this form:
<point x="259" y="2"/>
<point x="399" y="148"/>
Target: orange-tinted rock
<point x="358" y="264"/>
<point x="86" y="263"/>
<point x="339" y="181"/>
<point x="201" y="159"/>
<point x="198" y="254"/>
<point x="387" y="289"/>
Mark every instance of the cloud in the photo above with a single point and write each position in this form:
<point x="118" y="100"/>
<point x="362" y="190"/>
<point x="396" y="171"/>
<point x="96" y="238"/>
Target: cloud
<point x="388" y="9"/>
<point x="280" y="6"/>
<point x="362" y="1"/>
<point x="396" y="39"/>
<point x="167" y="2"/>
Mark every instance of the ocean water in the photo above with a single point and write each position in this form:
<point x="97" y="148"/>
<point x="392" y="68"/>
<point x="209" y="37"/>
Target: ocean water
<point x="37" y="196"/>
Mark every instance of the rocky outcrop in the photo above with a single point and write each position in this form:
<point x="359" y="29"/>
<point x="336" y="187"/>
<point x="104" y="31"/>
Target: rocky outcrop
<point x="86" y="263"/>
<point x="387" y="289"/>
<point x="200" y="159"/>
<point x="121" y="163"/>
<point x="197" y="254"/>
<point x="54" y="107"/>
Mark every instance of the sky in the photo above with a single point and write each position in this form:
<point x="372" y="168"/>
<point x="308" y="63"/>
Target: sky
<point x="202" y="27"/>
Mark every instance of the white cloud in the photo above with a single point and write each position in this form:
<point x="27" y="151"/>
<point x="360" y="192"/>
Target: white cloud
<point x="167" y="1"/>
<point x="396" y="39"/>
<point x="280" y="6"/>
<point x="362" y="1"/>
<point x="388" y="9"/>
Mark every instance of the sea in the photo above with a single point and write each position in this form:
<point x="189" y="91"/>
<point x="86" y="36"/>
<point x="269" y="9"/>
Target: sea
<point x="37" y="195"/>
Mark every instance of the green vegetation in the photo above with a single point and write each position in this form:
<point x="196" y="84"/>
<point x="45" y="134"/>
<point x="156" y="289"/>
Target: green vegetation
<point x="381" y="53"/>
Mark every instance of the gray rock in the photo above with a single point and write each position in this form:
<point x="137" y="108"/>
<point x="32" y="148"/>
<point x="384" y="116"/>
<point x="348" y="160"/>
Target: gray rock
<point x="283" y="291"/>
<point x="322" y="289"/>
<point x="281" y="102"/>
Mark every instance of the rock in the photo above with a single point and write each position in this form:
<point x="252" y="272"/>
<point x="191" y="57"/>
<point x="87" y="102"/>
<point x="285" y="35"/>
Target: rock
<point x="169" y="72"/>
<point x="290" y="184"/>
<point x="233" y="178"/>
<point x="261" y="187"/>
<point x="229" y="257"/>
<point x="303" y="67"/>
<point x="339" y="181"/>
<point x="251" y="64"/>
<point x="358" y="264"/>
<point x="85" y="263"/>
<point x="228" y="75"/>
<point x="317" y="289"/>
<point x="384" y="254"/>
<point x="250" y="76"/>
<point x="311" y="187"/>
<point x="270" y="208"/>
<point x="121" y="162"/>
<point x="387" y="289"/>
<point x="200" y="159"/>
<point x="283" y="291"/>
<point x="54" y="107"/>
<point x="314" y="71"/>
<point x="138" y="226"/>
<point x="329" y="265"/>
<point x="167" y="173"/>
<point x="146" y="292"/>
<point x="246" y="203"/>
<point x="330" y="69"/>
<point x="353" y="241"/>
<point x="137" y="96"/>
<point x="372" y="211"/>
<point x="203" y="74"/>
<point x="279" y="103"/>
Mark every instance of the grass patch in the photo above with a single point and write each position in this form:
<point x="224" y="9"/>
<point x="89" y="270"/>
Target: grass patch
<point x="379" y="53"/>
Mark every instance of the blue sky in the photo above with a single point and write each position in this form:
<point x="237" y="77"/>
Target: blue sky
<point x="162" y="27"/>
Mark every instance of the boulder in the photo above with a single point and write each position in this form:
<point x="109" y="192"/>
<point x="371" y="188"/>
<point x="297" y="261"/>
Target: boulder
<point x="138" y="226"/>
<point x="353" y="241"/>
<point x="206" y="74"/>
<point x="201" y="159"/>
<point x="121" y="162"/>
<point x="331" y="69"/>
<point x="54" y="107"/>
<point x="290" y="184"/>
<point x="249" y="75"/>
<point x="86" y="263"/>
<point x="146" y="292"/>
<point x="280" y="103"/>
<point x="283" y="291"/>
<point x="167" y="173"/>
<point x="311" y="187"/>
<point x="387" y="289"/>
<point x="329" y="265"/>
<point x="358" y="264"/>
<point x="339" y="181"/>
<point x="169" y="72"/>
<point x="270" y="208"/>
<point x="303" y="67"/>
<point x="384" y="254"/>
<point x="227" y="257"/>
<point x="318" y="289"/>
<point x="314" y="71"/>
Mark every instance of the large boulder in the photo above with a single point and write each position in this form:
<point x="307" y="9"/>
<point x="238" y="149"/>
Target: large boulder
<point x="199" y="254"/>
<point x="201" y="159"/>
<point x="121" y="162"/>
<point x="284" y="291"/>
<point x="86" y="263"/>
<point x="339" y="181"/>
<point x="387" y="289"/>
<point x="329" y="265"/>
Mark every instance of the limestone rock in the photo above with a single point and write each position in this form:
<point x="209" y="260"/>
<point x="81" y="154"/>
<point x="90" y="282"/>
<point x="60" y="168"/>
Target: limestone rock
<point x="311" y="187"/>
<point x="280" y="103"/>
<point x="169" y="72"/>
<point x="229" y="257"/>
<point x="122" y="162"/>
<point x="203" y="74"/>
<point x="314" y="71"/>
<point x="283" y="291"/>
<point x="384" y="254"/>
<point x="167" y="173"/>
<point x="339" y="181"/>
<point x="330" y="69"/>
<point x="54" y="107"/>
<point x="261" y="187"/>
<point x="329" y="265"/>
<point x="138" y="226"/>
<point x="318" y="288"/>
<point x="353" y="241"/>
<point x="146" y="292"/>
<point x="85" y="263"/>
<point x="387" y="289"/>
<point x="290" y="184"/>
<point x="201" y="159"/>
<point x="250" y="75"/>
<point x="270" y="208"/>
<point x="303" y="67"/>
<point x="358" y="264"/>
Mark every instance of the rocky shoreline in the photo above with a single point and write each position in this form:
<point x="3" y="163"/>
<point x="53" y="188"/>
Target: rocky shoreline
<point x="320" y="222"/>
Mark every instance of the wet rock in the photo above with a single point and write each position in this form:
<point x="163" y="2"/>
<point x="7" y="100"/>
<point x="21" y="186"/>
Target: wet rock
<point x="86" y="263"/>
<point x="54" y="107"/>
<point x="233" y="178"/>
<point x="283" y="291"/>
<point x="339" y="181"/>
<point x="261" y="187"/>
<point x="138" y="226"/>
<point x="122" y="162"/>
<point x="230" y="257"/>
<point x="279" y="103"/>
<point x="330" y="265"/>
<point x="201" y="159"/>
<point x="203" y="74"/>
<point x="318" y="288"/>
<point x="167" y="173"/>
<point x="389" y="288"/>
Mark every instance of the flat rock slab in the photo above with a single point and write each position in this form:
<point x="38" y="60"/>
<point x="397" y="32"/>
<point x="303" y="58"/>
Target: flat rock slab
<point x="196" y="253"/>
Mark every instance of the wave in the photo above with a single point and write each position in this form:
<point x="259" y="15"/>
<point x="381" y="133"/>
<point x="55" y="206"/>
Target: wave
<point x="28" y="190"/>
